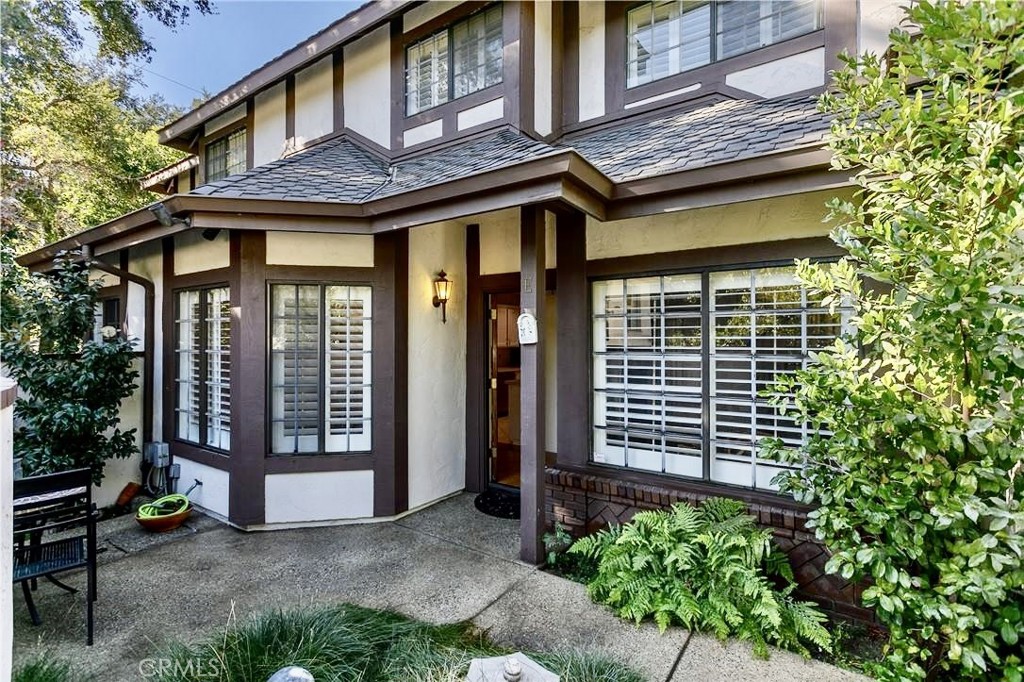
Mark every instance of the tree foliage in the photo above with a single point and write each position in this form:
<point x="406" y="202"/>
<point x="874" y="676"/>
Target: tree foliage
<point x="920" y="410"/>
<point x="75" y="141"/>
<point x="708" y="568"/>
<point x="71" y="384"/>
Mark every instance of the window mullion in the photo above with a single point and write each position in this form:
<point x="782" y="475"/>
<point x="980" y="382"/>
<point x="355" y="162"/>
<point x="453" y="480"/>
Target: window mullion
<point x="204" y="387"/>
<point x="323" y="335"/>
<point x="706" y="373"/>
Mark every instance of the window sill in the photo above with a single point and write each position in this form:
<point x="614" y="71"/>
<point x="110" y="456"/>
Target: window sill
<point x="218" y="459"/>
<point x="451" y="107"/>
<point x="309" y="463"/>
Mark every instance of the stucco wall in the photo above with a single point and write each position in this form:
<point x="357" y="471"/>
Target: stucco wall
<point x="542" y="41"/>
<point x="193" y="253"/>
<point x="421" y="14"/>
<point x="268" y="134"/>
<point x="751" y="222"/>
<point x="312" y="249"/>
<point x="212" y="495"/>
<point x="314" y="101"/>
<point x="437" y="365"/>
<point x="147" y="261"/>
<point x="591" y="60"/>
<point x="499" y="241"/>
<point x="227" y="118"/>
<point x="367" y="64"/>
<point x="321" y="496"/>
<point x="184" y="182"/>
<point x="782" y="76"/>
<point x="875" y="19"/>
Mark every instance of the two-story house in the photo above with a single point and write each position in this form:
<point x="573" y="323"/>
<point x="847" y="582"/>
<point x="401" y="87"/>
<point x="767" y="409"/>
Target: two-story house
<point x="636" y="176"/>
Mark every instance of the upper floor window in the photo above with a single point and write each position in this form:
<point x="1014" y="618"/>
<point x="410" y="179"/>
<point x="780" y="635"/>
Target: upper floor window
<point x="226" y="156"/>
<point x="669" y="37"/>
<point x="455" y="62"/>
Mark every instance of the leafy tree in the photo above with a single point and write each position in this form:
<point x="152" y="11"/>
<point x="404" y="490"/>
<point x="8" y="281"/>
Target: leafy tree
<point x="75" y="142"/>
<point x="72" y="385"/>
<point x="917" y="470"/>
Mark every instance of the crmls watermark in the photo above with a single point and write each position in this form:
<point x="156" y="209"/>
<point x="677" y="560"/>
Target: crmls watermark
<point x="188" y="667"/>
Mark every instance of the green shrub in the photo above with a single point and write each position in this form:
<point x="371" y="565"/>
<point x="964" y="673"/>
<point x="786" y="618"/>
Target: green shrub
<point x="44" y="670"/>
<point x="707" y="568"/>
<point x="347" y="643"/>
<point x="916" y="470"/>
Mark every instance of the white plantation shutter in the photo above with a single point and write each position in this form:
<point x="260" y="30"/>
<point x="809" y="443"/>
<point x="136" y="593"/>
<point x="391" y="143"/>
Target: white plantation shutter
<point x="347" y="380"/>
<point x="664" y="400"/>
<point x="647" y="374"/>
<point x="187" y="349"/>
<point x="426" y="76"/>
<point x="763" y="326"/>
<point x="745" y="25"/>
<point x="320" y="368"/>
<point x="218" y="368"/>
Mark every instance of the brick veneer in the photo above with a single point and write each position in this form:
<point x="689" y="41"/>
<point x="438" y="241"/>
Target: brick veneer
<point x="587" y="502"/>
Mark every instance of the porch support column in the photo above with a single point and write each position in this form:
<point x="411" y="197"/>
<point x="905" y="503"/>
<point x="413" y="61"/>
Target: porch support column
<point x="573" y="336"/>
<point x="531" y="299"/>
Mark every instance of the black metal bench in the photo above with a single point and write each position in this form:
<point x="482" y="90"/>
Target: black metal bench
<point x="55" y="531"/>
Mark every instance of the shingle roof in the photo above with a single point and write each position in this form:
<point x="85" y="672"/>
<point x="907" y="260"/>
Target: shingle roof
<point x="725" y="131"/>
<point x="336" y="170"/>
<point x="342" y="171"/>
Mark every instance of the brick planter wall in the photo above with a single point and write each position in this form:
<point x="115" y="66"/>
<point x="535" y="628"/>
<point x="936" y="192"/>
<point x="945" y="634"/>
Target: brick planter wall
<point x="588" y="502"/>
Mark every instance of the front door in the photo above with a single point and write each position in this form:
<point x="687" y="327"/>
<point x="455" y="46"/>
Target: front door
<point x="503" y="369"/>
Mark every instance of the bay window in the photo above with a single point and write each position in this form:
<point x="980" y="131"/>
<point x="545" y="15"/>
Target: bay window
<point x="672" y="36"/>
<point x="203" y="367"/>
<point x="680" y="363"/>
<point x="454" y="62"/>
<point x="320" y="369"/>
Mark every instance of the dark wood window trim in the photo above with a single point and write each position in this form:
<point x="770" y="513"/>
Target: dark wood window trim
<point x="448" y="112"/>
<point x="171" y="336"/>
<point x="356" y="277"/>
<point x="704" y="262"/>
<point x="839" y="32"/>
<point x="204" y="143"/>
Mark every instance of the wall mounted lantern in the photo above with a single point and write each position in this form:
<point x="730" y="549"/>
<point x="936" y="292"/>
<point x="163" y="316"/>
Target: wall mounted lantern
<point x="442" y="293"/>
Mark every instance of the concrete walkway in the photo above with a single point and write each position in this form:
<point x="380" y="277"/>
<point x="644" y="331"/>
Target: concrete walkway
<point x="445" y="564"/>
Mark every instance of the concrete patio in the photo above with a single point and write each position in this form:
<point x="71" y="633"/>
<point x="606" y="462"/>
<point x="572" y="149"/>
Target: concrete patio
<point x="443" y="564"/>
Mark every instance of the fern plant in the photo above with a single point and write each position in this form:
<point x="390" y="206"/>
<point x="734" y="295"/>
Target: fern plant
<point x="707" y="568"/>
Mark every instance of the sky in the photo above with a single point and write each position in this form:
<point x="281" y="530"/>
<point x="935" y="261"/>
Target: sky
<point x="213" y="51"/>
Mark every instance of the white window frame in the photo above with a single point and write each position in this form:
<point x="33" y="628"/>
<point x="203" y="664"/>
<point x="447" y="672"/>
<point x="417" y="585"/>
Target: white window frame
<point x="341" y="421"/>
<point x="447" y="78"/>
<point x="708" y="15"/>
<point x="202" y="366"/>
<point x="696" y="396"/>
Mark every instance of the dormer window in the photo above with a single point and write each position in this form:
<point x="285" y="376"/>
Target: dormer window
<point x="455" y="62"/>
<point x="226" y="156"/>
<point x="666" y="38"/>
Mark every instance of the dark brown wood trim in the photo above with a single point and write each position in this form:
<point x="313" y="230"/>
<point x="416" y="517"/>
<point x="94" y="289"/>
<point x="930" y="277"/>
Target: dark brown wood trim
<point x="191" y="452"/>
<point x="573" y="340"/>
<point x="763" y="253"/>
<point x="676" y="483"/>
<point x="250" y="136"/>
<point x="167" y="325"/>
<point x="338" y="92"/>
<point x="322" y="273"/>
<point x="397" y="84"/>
<point x="571" y="63"/>
<point x="201" y="279"/>
<point x="302" y="464"/>
<point x="390" y="360"/>
<point x="123" y="261"/>
<point x="476" y="371"/>
<point x="615" y="55"/>
<point x="840" y="32"/>
<point x="289" y="109"/>
<point x="249" y="384"/>
<point x="532" y="432"/>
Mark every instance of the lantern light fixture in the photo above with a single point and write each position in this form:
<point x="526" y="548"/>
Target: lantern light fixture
<point x="442" y="293"/>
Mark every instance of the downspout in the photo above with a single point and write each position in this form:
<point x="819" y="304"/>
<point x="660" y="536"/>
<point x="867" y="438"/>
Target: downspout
<point x="150" y="341"/>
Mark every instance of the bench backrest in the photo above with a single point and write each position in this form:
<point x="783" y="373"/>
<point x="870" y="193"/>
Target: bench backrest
<point x="53" y="502"/>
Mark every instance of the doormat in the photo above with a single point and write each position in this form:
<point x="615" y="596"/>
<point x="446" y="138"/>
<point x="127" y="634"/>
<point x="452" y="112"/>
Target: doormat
<point x="499" y="503"/>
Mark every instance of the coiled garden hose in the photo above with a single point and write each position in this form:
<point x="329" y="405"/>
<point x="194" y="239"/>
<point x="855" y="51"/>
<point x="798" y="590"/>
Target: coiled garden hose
<point x="165" y="506"/>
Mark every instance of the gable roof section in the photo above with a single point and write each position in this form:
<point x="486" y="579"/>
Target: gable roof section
<point x="336" y="170"/>
<point x="726" y="131"/>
